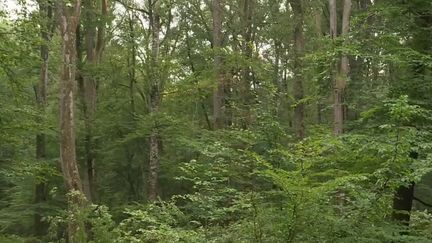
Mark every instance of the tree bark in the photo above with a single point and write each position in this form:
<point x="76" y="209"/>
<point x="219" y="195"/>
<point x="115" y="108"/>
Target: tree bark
<point x="337" y="116"/>
<point x="132" y="63"/>
<point x="95" y="41"/>
<point x="155" y="99"/>
<point x="299" y="125"/>
<point x="319" y="34"/>
<point x="402" y="204"/>
<point x="245" y="87"/>
<point x="218" y="93"/>
<point x="69" y="14"/>
<point x="41" y="190"/>
<point x="342" y="73"/>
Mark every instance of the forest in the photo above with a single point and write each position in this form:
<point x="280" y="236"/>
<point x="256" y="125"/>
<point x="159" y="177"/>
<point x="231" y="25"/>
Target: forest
<point x="258" y="121"/>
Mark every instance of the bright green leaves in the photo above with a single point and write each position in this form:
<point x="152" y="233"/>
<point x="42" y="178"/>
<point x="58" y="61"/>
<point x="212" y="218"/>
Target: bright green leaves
<point x="401" y="111"/>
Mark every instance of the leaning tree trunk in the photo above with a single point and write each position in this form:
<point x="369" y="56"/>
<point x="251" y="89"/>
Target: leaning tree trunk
<point x="219" y="92"/>
<point x="41" y="190"/>
<point x="69" y="14"/>
<point x="299" y="125"/>
<point x="155" y="99"/>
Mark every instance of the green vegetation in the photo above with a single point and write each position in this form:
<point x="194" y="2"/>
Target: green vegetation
<point x="216" y="121"/>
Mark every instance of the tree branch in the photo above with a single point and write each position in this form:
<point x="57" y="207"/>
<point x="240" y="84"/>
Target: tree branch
<point x="423" y="202"/>
<point x="132" y="8"/>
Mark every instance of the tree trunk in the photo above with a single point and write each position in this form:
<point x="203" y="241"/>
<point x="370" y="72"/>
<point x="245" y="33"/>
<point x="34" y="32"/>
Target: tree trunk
<point x="404" y="196"/>
<point x="299" y="125"/>
<point x="94" y="40"/>
<point x="192" y="67"/>
<point x="41" y="190"/>
<point x="337" y="116"/>
<point x="245" y="87"/>
<point x="342" y="73"/>
<point x="69" y="14"/>
<point x="218" y="93"/>
<point x="402" y="204"/>
<point x="319" y="34"/>
<point x="132" y="63"/>
<point x="155" y="99"/>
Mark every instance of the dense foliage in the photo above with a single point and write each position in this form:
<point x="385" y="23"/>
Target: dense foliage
<point x="157" y="164"/>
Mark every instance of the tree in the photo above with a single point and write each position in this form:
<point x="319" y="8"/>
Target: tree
<point x="94" y="46"/>
<point x="218" y="93"/>
<point x="47" y="29"/>
<point x="342" y="72"/>
<point x="155" y="98"/>
<point x="69" y="14"/>
<point x="299" y="109"/>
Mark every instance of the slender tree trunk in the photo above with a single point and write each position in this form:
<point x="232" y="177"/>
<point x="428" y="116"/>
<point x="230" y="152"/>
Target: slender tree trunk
<point x="299" y="125"/>
<point x="218" y="93"/>
<point x="95" y="41"/>
<point x="89" y="99"/>
<point x="155" y="99"/>
<point x="245" y="87"/>
<point x="41" y="190"/>
<point x="132" y="63"/>
<point x="337" y="105"/>
<point x="342" y="73"/>
<point x="319" y="34"/>
<point x="69" y="14"/>
<point x="340" y="76"/>
<point x="192" y="67"/>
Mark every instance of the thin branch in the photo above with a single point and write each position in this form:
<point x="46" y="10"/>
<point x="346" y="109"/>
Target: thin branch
<point x="423" y="202"/>
<point x="132" y="7"/>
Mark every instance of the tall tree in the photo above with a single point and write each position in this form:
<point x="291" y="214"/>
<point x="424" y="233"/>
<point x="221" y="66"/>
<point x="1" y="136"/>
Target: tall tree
<point x="299" y="125"/>
<point x="47" y="29"/>
<point x="341" y="73"/>
<point x="218" y="93"/>
<point x="155" y="98"/>
<point x="69" y="14"/>
<point x="247" y="48"/>
<point x="94" y="46"/>
<point x="419" y="90"/>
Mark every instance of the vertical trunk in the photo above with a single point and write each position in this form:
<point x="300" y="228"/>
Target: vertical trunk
<point x="41" y="190"/>
<point x="100" y="42"/>
<point x="340" y="76"/>
<point x="337" y="106"/>
<point x="299" y="126"/>
<point x="94" y="41"/>
<point x="247" y="70"/>
<point x="342" y="73"/>
<point x="132" y="63"/>
<point x="333" y="19"/>
<point x="69" y="18"/>
<point x="218" y="94"/>
<point x="402" y="204"/>
<point x="319" y="34"/>
<point x="89" y="99"/>
<point x="155" y="99"/>
<point x="345" y="68"/>
<point x="192" y="67"/>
